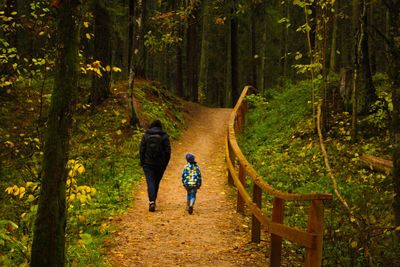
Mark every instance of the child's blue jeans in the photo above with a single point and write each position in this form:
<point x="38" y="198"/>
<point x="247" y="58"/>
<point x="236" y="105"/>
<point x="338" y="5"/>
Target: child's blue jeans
<point x="191" y="195"/>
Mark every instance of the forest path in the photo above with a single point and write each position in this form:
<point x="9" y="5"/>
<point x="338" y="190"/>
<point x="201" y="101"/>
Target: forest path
<point x="214" y="235"/>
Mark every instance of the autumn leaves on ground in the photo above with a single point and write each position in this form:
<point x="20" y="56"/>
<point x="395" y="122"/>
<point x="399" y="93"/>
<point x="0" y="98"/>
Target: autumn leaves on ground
<point x="214" y="235"/>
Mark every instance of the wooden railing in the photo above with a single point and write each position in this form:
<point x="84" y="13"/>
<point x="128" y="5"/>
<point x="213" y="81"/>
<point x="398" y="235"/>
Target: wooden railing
<point x="311" y="239"/>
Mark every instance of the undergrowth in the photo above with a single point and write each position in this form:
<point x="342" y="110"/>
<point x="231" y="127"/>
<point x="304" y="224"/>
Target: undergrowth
<point x="280" y="141"/>
<point x="104" y="158"/>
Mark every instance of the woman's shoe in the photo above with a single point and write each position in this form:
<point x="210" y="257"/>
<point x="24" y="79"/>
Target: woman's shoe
<point x="152" y="206"/>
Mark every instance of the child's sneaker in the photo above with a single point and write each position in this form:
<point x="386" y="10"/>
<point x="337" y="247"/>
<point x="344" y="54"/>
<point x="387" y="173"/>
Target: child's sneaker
<point x="152" y="206"/>
<point x="190" y="209"/>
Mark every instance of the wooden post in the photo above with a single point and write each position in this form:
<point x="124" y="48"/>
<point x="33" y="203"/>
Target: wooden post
<point x="315" y="226"/>
<point x="231" y="158"/>
<point x="236" y="125"/>
<point x="255" y="224"/>
<point x="240" y="201"/>
<point x="239" y="120"/>
<point x="245" y="106"/>
<point x="276" y="241"/>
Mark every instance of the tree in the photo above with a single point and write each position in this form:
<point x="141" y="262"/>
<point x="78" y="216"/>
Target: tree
<point x="394" y="73"/>
<point x="234" y="54"/>
<point x="367" y="95"/>
<point x="179" y="55"/>
<point x="192" y="49"/>
<point x="133" y="61"/>
<point x="102" y="52"/>
<point x="204" y="86"/>
<point x="48" y="248"/>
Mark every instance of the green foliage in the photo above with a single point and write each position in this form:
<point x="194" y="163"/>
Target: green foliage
<point x="160" y="104"/>
<point x="165" y="30"/>
<point x="378" y="119"/>
<point x="279" y="140"/>
<point x="256" y="101"/>
<point x="17" y="63"/>
<point x="105" y="167"/>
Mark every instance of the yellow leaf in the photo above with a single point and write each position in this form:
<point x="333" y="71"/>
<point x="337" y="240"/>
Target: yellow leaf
<point x="123" y="121"/>
<point x="354" y="244"/>
<point x="9" y="190"/>
<point x="41" y="33"/>
<point x="71" y="173"/>
<point x="81" y="169"/>
<point x="108" y="68"/>
<point x="103" y="227"/>
<point x="82" y="199"/>
<point x="71" y="162"/>
<point x="119" y="132"/>
<point x="21" y="192"/>
<point x="397" y="228"/>
<point x="31" y="198"/>
<point x="116" y="69"/>
<point x="9" y="144"/>
<point x="88" y="36"/>
<point x="93" y="191"/>
<point x="98" y="72"/>
<point x="86" y="24"/>
<point x="35" y="187"/>
<point x="16" y="190"/>
<point x="27" y="184"/>
<point x="71" y="198"/>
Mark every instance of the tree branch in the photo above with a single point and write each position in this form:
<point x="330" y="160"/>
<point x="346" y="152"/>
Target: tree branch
<point x="330" y="172"/>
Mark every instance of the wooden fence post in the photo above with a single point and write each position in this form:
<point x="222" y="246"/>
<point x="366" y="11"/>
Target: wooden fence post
<point x="315" y="226"/>
<point x="240" y="201"/>
<point x="229" y="157"/>
<point x="276" y="241"/>
<point x="255" y="224"/>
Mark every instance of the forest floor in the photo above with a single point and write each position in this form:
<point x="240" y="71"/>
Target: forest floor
<point x="214" y="235"/>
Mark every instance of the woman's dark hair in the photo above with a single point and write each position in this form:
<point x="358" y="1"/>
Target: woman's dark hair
<point x="156" y="123"/>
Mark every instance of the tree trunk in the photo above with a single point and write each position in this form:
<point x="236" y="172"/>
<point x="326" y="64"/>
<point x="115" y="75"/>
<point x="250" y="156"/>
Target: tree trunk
<point x="131" y="18"/>
<point x="285" y="45"/>
<point x="179" y="51"/>
<point x="141" y="57"/>
<point x="394" y="73"/>
<point x="332" y="57"/>
<point x="192" y="51"/>
<point x="136" y="29"/>
<point x="204" y="56"/>
<point x="367" y="94"/>
<point x="48" y="247"/>
<point x="228" y="72"/>
<point x="234" y="54"/>
<point x="102" y="52"/>
<point x="254" y="59"/>
<point x="179" y="78"/>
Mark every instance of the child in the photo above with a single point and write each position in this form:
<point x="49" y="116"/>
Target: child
<point x="191" y="179"/>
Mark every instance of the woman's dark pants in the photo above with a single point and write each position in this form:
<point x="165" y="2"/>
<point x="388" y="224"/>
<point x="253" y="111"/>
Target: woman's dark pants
<point x="153" y="177"/>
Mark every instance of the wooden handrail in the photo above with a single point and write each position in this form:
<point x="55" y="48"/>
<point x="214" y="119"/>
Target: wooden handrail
<point x="311" y="239"/>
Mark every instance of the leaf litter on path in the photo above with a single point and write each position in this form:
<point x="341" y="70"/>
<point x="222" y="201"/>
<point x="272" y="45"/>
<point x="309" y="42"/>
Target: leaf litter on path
<point x="214" y="235"/>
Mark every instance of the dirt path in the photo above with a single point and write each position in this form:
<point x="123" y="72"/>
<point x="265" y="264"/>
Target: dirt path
<point x="215" y="235"/>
